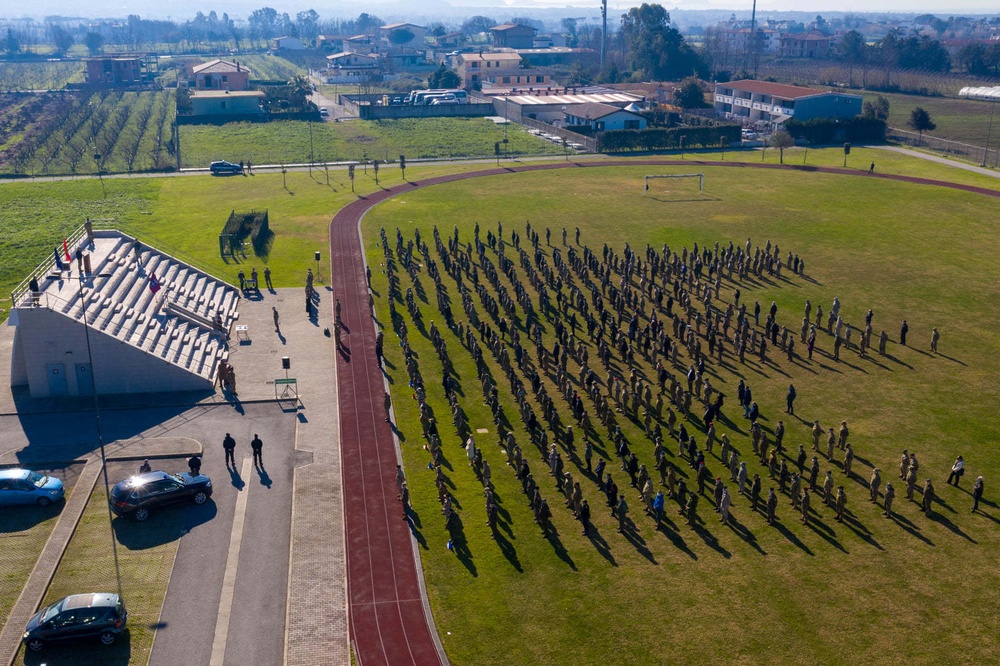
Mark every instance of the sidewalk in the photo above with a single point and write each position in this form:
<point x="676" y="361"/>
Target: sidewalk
<point x="316" y="605"/>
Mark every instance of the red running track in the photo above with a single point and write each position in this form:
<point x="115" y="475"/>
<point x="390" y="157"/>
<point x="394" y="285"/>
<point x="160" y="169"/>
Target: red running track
<point x="388" y="623"/>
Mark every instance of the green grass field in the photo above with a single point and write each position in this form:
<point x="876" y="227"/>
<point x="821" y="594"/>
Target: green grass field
<point x="916" y="589"/>
<point x="40" y="75"/>
<point x="289" y="141"/>
<point x="963" y="120"/>
<point x="146" y="555"/>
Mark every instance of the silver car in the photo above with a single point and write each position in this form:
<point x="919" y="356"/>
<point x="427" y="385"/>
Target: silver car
<point x="22" y="486"/>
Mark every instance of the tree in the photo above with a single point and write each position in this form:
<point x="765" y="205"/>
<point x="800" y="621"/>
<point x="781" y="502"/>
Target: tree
<point x="689" y="94"/>
<point x="368" y="24"/>
<point x="93" y="41"/>
<point x="401" y="36"/>
<point x="444" y="78"/>
<point x="851" y="50"/>
<point x="263" y="22"/>
<point x="307" y="22"/>
<point x="781" y="140"/>
<point x="878" y="109"/>
<point x="921" y="121"/>
<point x="11" y="44"/>
<point x="478" y="24"/>
<point x="299" y="90"/>
<point x="655" y="49"/>
<point x="62" y="39"/>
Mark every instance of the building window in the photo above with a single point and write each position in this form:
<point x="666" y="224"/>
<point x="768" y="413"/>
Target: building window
<point x="539" y="79"/>
<point x="225" y="79"/>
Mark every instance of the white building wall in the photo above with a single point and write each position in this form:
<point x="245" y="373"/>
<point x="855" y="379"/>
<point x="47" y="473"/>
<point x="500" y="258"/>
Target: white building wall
<point x="44" y="337"/>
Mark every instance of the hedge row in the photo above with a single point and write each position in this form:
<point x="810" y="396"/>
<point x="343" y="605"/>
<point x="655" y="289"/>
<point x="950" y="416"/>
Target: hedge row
<point x="666" y="139"/>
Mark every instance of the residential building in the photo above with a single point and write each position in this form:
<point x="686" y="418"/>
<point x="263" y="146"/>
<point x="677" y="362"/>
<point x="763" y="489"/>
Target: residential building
<point x="557" y="55"/>
<point x="119" y="70"/>
<point x="500" y="80"/>
<point x="805" y="45"/>
<point x="451" y="40"/>
<point x="549" y="104"/>
<point x="351" y="68"/>
<point x="751" y="101"/>
<point x="404" y="34"/>
<point x="599" y="117"/>
<point x="221" y="75"/>
<point x="227" y="103"/>
<point x="513" y="36"/>
<point x="474" y="68"/>
<point x="360" y="44"/>
<point x="287" y="44"/>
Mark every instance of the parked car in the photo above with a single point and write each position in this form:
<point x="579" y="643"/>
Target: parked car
<point x="223" y="166"/>
<point x="323" y="111"/>
<point x="139" y="495"/>
<point x="22" y="486"/>
<point x="77" y="617"/>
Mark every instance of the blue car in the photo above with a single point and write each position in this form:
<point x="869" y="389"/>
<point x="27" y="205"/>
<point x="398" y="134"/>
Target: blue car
<point x="223" y="167"/>
<point x="22" y="486"/>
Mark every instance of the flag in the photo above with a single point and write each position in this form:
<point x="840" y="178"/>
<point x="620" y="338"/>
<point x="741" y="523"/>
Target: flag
<point x="154" y="284"/>
<point x="69" y="260"/>
<point x="59" y="263"/>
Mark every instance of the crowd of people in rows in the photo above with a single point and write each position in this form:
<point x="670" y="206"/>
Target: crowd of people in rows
<point x="660" y="332"/>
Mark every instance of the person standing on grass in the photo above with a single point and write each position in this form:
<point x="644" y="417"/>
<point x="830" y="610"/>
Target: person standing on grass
<point x="772" y="505"/>
<point x="841" y="503"/>
<point x="584" y="515"/>
<point x="903" y="330"/>
<point x="690" y="510"/>
<point x="790" y="399"/>
<point x="977" y="494"/>
<point x="929" y="496"/>
<point x="848" y="460"/>
<point x="804" y="504"/>
<point x="935" y="336"/>
<point x="622" y="511"/>
<point x="658" y="507"/>
<point x="267" y="277"/>
<point x="874" y="483"/>
<point x="888" y="497"/>
<point x="957" y="471"/>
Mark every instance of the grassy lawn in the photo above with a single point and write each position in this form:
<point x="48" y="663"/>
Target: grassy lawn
<point x="146" y="555"/>
<point x="24" y="530"/>
<point x="964" y="120"/>
<point x="824" y="593"/>
<point x="40" y="75"/>
<point x="289" y="141"/>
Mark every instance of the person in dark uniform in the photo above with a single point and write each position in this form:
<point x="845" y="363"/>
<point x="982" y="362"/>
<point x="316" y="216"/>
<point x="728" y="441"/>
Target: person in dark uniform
<point x="902" y="333"/>
<point x="258" y="446"/>
<point x="229" y="444"/>
<point x="194" y="464"/>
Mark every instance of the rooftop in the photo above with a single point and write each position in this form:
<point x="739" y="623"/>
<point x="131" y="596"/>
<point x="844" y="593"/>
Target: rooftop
<point x="204" y="94"/>
<point x="218" y="66"/>
<point x="774" y="89"/>
<point x="592" y="110"/>
<point x="610" y="99"/>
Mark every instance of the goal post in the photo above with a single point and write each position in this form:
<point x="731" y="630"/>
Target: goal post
<point x="699" y="176"/>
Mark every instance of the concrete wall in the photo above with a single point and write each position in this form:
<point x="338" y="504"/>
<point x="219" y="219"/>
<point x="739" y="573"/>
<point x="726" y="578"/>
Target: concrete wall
<point x="44" y="337"/>
<point x="439" y="111"/>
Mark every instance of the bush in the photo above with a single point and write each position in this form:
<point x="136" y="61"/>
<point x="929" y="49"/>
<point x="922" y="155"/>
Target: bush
<point x="665" y="139"/>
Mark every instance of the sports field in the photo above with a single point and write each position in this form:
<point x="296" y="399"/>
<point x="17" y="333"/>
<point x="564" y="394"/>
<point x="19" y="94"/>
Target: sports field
<point x="916" y="588"/>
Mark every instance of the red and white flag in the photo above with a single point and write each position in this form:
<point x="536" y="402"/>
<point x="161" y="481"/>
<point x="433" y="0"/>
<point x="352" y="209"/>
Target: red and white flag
<point x="154" y="284"/>
<point x="66" y="251"/>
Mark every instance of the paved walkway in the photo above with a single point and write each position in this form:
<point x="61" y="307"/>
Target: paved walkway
<point x="993" y="173"/>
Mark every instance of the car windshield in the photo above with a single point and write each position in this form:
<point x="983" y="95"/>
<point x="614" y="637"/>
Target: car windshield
<point x="50" y="612"/>
<point x="36" y="479"/>
<point x="178" y="478"/>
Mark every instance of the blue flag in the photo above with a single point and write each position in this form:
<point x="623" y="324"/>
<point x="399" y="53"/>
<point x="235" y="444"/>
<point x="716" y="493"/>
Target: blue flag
<point x="59" y="263"/>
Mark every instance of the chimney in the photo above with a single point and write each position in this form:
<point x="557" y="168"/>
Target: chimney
<point x="237" y="65"/>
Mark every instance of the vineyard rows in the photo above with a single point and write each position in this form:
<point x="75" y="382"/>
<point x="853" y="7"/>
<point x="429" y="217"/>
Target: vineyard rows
<point x="66" y="134"/>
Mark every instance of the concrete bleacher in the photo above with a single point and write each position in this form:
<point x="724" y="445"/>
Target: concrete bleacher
<point x="185" y="324"/>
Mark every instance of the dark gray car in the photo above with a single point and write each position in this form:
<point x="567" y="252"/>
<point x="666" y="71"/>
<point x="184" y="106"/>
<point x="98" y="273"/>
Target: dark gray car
<point x="100" y="615"/>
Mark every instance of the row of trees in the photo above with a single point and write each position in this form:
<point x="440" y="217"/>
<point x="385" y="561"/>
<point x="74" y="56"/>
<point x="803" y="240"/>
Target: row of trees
<point x="888" y="56"/>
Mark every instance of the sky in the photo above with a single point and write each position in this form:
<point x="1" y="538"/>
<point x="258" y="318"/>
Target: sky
<point x="183" y="9"/>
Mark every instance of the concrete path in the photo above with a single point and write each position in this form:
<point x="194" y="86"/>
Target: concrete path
<point x="941" y="160"/>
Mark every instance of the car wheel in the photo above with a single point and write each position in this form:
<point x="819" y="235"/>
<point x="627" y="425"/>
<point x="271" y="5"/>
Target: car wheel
<point x="141" y="514"/>
<point x="200" y="497"/>
<point x="44" y="502"/>
<point x="35" y="644"/>
<point x="108" y="638"/>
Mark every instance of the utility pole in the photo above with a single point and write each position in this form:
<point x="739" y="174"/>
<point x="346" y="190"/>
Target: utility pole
<point x="604" y="31"/>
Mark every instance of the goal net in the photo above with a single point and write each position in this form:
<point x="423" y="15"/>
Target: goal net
<point x="650" y="181"/>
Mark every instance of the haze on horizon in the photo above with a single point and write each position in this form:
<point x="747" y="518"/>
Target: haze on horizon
<point x="183" y="9"/>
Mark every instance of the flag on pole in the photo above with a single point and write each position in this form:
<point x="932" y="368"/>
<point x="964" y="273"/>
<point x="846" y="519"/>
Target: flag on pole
<point x="154" y="284"/>
<point x="69" y="259"/>
<point x="59" y="263"/>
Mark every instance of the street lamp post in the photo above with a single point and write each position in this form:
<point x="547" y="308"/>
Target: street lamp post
<point x="100" y="430"/>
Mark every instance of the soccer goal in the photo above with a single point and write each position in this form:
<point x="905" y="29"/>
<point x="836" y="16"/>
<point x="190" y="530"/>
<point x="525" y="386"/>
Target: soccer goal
<point x="699" y="176"/>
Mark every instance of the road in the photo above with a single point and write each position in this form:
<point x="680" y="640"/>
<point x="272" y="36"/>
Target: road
<point x="249" y="628"/>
